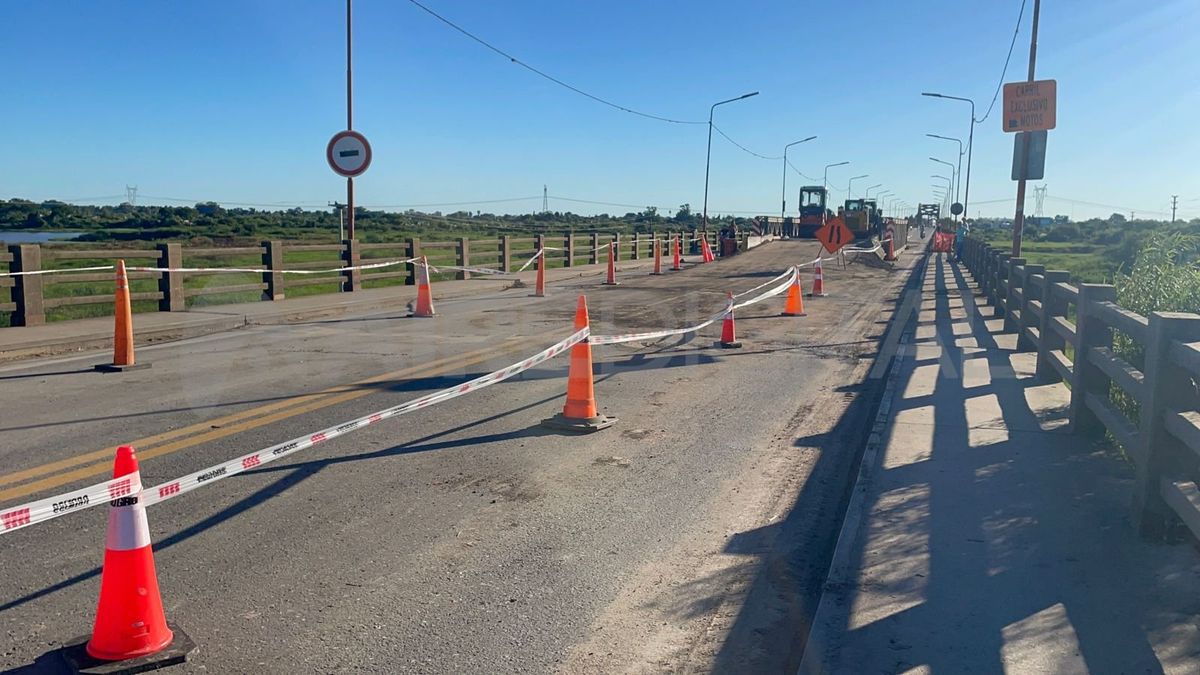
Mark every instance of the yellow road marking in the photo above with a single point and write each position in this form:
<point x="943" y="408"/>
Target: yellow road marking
<point x="326" y="398"/>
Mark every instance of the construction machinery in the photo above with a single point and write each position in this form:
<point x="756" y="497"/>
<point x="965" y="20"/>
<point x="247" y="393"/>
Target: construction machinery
<point x="863" y="218"/>
<point x="813" y="211"/>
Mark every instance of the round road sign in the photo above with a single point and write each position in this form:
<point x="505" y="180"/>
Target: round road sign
<point x="956" y="208"/>
<point x="348" y="153"/>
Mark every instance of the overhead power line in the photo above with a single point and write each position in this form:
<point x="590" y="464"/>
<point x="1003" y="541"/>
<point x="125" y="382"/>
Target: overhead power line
<point x="542" y="74"/>
<point x="1007" y="59"/>
<point x="742" y="147"/>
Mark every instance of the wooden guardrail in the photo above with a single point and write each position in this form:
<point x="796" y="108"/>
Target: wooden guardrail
<point x="31" y="300"/>
<point x="1152" y="408"/>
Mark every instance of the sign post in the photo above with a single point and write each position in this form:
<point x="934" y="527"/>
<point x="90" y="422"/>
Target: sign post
<point x="834" y="235"/>
<point x="1028" y="106"/>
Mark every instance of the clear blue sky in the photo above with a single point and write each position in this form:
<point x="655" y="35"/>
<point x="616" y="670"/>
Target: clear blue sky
<point x="235" y="100"/>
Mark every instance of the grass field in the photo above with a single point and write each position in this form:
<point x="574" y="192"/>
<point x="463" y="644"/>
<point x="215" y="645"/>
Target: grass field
<point x="1087" y="262"/>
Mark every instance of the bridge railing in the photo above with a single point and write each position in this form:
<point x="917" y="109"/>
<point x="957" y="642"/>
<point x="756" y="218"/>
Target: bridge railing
<point x="1150" y="406"/>
<point x="34" y="299"/>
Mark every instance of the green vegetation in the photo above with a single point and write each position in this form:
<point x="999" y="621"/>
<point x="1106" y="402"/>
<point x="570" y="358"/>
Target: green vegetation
<point x="1093" y="251"/>
<point x="208" y="223"/>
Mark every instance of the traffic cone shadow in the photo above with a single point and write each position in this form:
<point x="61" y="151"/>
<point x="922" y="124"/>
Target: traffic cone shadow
<point x="123" y="358"/>
<point x="580" y="414"/>
<point x="130" y="633"/>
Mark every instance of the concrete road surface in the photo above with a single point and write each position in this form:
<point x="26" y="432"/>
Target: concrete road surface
<point x="694" y="534"/>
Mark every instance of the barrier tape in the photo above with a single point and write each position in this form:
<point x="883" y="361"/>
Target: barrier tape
<point x="654" y="335"/>
<point x="134" y="268"/>
<point x="40" y="511"/>
<point x="488" y="270"/>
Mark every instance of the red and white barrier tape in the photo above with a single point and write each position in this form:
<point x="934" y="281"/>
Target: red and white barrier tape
<point x="654" y="335"/>
<point x="488" y="270"/>
<point x="253" y="270"/>
<point x="77" y="500"/>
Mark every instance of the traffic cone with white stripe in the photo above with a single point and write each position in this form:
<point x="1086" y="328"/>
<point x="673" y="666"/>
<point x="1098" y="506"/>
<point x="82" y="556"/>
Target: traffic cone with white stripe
<point x="706" y="254"/>
<point x="818" y="289"/>
<point x="794" y="306"/>
<point x="728" y="330"/>
<point x="130" y="623"/>
<point x="123" y="358"/>
<point x="424" y="306"/>
<point x="612" y="264"/>
<point x="657" y="256"/>
<point x="579" y="412"/>
<point x="677" y="262"/>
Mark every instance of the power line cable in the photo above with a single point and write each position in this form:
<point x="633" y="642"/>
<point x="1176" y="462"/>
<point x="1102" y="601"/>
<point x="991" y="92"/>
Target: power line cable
<point x="1008" y="58"/>
<point x="801" y="173"/>
<point x="540" y="73"/>
<point x="744" y="148"/>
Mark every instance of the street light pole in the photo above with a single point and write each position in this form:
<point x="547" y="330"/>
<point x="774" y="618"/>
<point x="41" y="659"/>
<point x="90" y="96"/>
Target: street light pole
<point x="708" y="155"/>
<point x="952" y="174"/>
<point x="783" y="207"/>
<point x="867" y="192"/>
<point x="958" y="170"/>
<point x="825" y="186"/>
<point x="970" y="145"/>
<point x="850" y="184"/>
<point x="1019" y="217"/>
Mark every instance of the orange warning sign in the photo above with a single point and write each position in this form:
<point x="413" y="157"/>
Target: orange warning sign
<point x="1030" y="106"/>
<point x="834" y="234"/>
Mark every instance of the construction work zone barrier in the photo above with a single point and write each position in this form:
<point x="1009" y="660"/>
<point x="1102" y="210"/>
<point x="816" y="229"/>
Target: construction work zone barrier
<point x="49" y="508"/>
<point x="943" y="242"/>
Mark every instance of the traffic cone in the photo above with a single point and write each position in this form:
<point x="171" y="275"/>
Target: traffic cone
<point x="706" y="254"/>
<point x="728" y="331"/>
<point x="891" y="254"/>
<point x="794" y="306"/>
<point x="123" y="330"/>
<point x="424" y="307"/>
<point x="539" y="287"/>
<point x="130" y="623"/>
<point x="677" y="262"/>
<point x="612" y="264"/>
<point x="818" y="289"/>
<point x="657" y="257"/>
<point x="579" y="412"/>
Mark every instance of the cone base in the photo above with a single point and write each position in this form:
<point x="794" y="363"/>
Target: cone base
<point x="730" y="345"/>
<point x="114" y="368"/>
<point x="578" y="425"/>
<point x="818" y="295"/>
<point x="611" y="283"/>
<point x="793" y="314"/>
<point x="79" y="661"/>
<point x="656" y="274"/>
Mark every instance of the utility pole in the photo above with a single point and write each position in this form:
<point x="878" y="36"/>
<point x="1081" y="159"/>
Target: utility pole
<point x="545" y="200"/>
<point x="1019" y="217"/>
<point x="1174" y="204"/>
<point x="349" y="119"/>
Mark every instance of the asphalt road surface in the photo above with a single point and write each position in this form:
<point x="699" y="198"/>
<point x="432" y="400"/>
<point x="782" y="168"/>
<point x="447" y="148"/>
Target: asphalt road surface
<point x="464" y="538"/>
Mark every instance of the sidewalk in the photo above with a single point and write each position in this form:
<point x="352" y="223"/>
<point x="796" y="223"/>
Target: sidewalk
<point x="982" y="536"/>
<point x="82" y="334"/>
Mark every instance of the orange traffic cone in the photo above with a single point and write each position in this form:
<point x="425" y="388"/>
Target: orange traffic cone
<point x="657" y="256"/>
<point x="706" y="252"/>
<point x="891" y="254"/>
<point x="677" y="263"/>
<point x="795" y="302"/>
<point x="424" y="307"/>
<point x="579" y="412"/>
<point x="612" y="264"/>
<point x="123" y="330"/>
<point x="130" y="623"/>
<point x="818" y="289"/>
<point x="539" y="287"/>
<point x="728" y="331"/>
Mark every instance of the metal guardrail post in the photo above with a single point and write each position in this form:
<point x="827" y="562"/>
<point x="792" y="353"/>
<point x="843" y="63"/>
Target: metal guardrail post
<point x="351" y="255"/>
<point x="272" y="259"/>
<point x="1016" y="279"/>
<point x="1161" y="452"/>
<point x="1090" y="331"/>
<point x="462" y="254"/>
<point x="170" y="284"/>
<point x="27" y="289"/>
<point x="1053" y="304"/>
<point x="1029" y="294"/>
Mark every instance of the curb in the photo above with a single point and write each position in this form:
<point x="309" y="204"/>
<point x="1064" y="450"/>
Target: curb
<point x="817" y="645"/>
